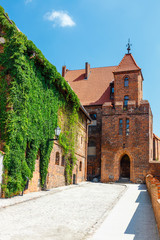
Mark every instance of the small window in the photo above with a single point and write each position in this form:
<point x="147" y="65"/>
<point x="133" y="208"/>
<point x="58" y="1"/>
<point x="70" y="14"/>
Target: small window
<point x="127" y="127"/>
<point x="91" y="143"/>
<point x="63" y="160"/>
<point x="91" y="148"/>
<point x="76" y="137"/>
<point x="57" y="158"/>
<point x="112" y="90"/>
<point x="126" y="82"/>
<point x="93" y="116"/>
<point x="71" y="161"/>
<point x="94" y="119"/>
<point x="120" y="127"/>
<point x="126" y="99"/>
<point x="80" y="166"/>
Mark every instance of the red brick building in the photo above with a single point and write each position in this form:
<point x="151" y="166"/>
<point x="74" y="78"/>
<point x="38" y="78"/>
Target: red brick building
<point x="56" y="168"/>
<point x="75" y="157"/>
<point x="121" y="134"/>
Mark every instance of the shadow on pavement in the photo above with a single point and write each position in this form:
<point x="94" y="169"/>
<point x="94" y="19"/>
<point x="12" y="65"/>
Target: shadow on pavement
<point x="143" y="224"/>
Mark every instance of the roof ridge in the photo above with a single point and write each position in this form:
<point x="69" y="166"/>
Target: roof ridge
<point x="90" y="68"/>
<point x="134" y="61"/>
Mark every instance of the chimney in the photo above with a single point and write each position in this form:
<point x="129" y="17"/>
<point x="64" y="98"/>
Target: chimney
<point x="64" y="71"/>
<point x="87" y="72"/>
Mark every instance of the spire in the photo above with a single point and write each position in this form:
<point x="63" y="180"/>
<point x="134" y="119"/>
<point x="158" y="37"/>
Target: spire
<point x="128" y="45"/>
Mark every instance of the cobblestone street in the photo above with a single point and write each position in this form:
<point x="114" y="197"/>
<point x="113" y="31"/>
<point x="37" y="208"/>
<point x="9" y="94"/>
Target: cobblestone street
<point x="73" y="213"/>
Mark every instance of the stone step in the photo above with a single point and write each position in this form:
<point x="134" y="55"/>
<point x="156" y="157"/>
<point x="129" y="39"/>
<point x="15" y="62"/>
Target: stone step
<point x="124" y="180"/>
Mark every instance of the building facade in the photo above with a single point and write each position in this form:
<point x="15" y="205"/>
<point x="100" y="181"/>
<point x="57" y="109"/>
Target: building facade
<point x="121" y="141"/>
<point x="34" y="100"/>
<point x="56" y="175"/>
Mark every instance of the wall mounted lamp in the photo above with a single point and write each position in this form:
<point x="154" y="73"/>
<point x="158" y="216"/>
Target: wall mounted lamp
<point x="57" y="133"/>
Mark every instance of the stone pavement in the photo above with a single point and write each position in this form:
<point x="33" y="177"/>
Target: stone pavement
<point x="132" y="218"/>
<point x="65" y="213"/>
<point x="6" y="202"/>
<point x="75" y="212"/>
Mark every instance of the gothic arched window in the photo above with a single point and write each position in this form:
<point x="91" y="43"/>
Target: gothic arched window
<point x="80" y="166"/>
<point x="126" y="99"/>
<point x="57" y="158"/>
<point x="126" y="82"/>
<point x="63" y="161"/>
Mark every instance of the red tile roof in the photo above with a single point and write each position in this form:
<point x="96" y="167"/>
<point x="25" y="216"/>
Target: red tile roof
<point x="127" y="64"/>
<point x="96" y="89"/>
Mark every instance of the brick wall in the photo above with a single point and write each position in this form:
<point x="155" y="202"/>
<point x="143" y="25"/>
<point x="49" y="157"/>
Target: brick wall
<point x="34" y="183"/>
<point x="94" y="133"/>
<point x="135" y="144"/>
<point x="156" y="148"/>
<point x="153" y="186"/>
<point x="130" y="148"/>
<point x="55" y="176"/>
<point x="134" y="90"/>
<point x="56" y="171"/>
<point x="154" y="168"/>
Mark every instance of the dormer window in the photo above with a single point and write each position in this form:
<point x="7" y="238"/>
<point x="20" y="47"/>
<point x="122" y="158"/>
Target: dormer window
<point x="126" y="82"/>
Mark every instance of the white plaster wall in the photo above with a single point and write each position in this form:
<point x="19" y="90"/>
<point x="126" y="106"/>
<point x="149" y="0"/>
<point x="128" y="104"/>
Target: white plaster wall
<point x="1" y="170"/>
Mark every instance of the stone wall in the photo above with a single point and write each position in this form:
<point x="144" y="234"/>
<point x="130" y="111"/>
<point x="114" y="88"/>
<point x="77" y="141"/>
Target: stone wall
<point x="153" y="186"/>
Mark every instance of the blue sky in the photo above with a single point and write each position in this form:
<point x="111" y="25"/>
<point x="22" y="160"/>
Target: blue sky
<point x="72" y="32"/>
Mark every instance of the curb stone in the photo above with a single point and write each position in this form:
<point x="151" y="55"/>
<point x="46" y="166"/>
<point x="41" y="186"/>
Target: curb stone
<point x="9" y="202"/>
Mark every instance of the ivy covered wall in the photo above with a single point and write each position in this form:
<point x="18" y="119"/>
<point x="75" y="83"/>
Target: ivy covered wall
<point x="34" y="94"/>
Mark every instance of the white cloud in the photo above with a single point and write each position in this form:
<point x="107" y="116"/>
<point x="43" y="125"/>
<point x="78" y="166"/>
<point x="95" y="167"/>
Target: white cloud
<point x="60" y="18"/>
<point x="27" y="1"/>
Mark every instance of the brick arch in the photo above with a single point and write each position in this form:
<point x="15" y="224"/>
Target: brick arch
<point x="117" y="160"/>
<point x="126" y="76"/>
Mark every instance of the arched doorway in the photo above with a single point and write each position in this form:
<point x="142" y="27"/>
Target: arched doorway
<point x="125" y="167"/>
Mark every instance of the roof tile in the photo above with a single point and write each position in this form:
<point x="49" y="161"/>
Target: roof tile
<point x="96" y="89"/>
<point x="127" y="64"/>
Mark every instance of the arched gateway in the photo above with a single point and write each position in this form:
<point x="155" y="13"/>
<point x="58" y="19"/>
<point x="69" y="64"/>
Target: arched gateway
<point x="125" y="167"/>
